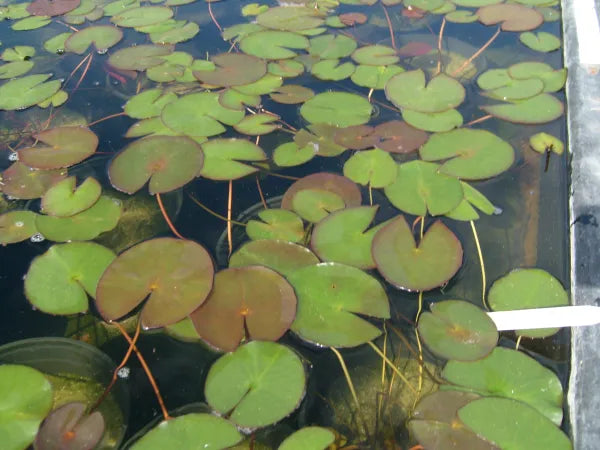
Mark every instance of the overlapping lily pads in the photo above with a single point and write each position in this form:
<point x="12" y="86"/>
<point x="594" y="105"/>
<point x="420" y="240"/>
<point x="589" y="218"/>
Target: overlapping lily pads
<point x="343" y="187"/>
<point x="337" y="108"/>
<point x="64" y="199"/>
<point x="292" y="18"/>
<point x="375" y="168"/>
<point x="102" y="37"/>
<point x="308" y="438"/>
<point x="16" y="226"/>
<point x="23" y="182"/>
<point x="511" y="16"/>
<point x="273" y="45"/>
<point x="27" y="91"/>
<point x="226" y="159"/>
<point x="276" y="224"/>
<point x="139" y="57"/>
<point x="233" y="69"/>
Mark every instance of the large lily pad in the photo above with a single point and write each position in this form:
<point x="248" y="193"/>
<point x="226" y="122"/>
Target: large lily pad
<point x="329" y="46"/>
<point x="291" y="94"/>
<point x="225" y="158"/>
<point x="102" y="37"/>
<point x="15" y="69"/>
<point x="527" y="289"/>
<point x="257" y="385"/>
<point x="64" y="199"/>
<point x="251" y="302"/>
<point x="332" y="69"/>
<point x="375" y="55"/>
<point x="271" y="44"/>
<point x="203" y="430"/>
<point x="88" y="224"/>
<point x="25" y="399"/>
<point x="233" y="69"/>
<point x="27" y="91"/>
<point x="282" y="256"/>
<point x="143" y="16"/>
<point x="139" y="57"/>
<point x="541" y="108"/>
<point x="23" y="182"/>
<point x="409" y="90"/>
<point x="455" y="329"/>
<point x="541" y="41"/>
<point x="347" y="190"/>
<point x="64" y="147"/>
<point x="375" y="168"/>
<point x="308" y="438"/>
<point x="396" y="136"/>
<point x="52" y="7"/>
<point x="330" y="295"/>
<point x="513" y="17"/>
<point x="148" y="103"/>
<point x="420" y="187"/>
<point x="16" y="226"/>
<point x="291" y="154"/>
<point x="175" y="275"/>
<point x="60" y="280"/>
<point x="511" y="374"/>
<point x="169" y="162"/>
<point x="374" y="77"/>
<point x="414" y="267"/>
<point x="337" y="108"/>
<point x="470" y="154"/>
<point x="291" y="18"/>
<point x="436" y="122"/>
<point x="276" y="224"/>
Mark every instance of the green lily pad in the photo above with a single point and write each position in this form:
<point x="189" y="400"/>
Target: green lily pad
<point x="267" y="84"/>
<point x="257" y="385"/>
<point x="308" y="438"/>
<point x="420" y="188"/>
<point x="510" y="374"/>
<point x="100" y="217"/>
<point x="414" y="267"/>
<point x="257" y="124"/>
<point x="178" y="66"/>
<point x="102" y="37"/>
<point x="25" y="399"/>
<point x="16" y="226"/>
<point x="436" y="122"/>
<point x="169" y="162"/>
<point x="465" y="210"/>
<point x="204" y="430"/>
<point x="554" y="80"/>
<point x="330" y="295"/>
<point x="375" y="55"/>
<point x="225" y="159"/>
<point x="23" y="182"/>
<point x="493" y="79"/>
<point x="31" y="23"/>
<point x="409" y="90"/>
<point x="541" y="41"/>
<point x="60" y="280"/>
<point x="512" y="424"/>
<point x="281" y="256"/>
<point x="375" y="168"/>
<point x="517" y="90"/>
<point x="475" y="3"/>
<point x="139" y="57"/>
<point x="56" y="100"/>
<point x="233" y="69"/>
<point x="271" y="44"/>
<point x="470" y="154"/>
<point x="527" y="289"/>
<point x="251" y="302"/>
<point x="18" y="53"/>
<point x="232" y="99"/>
<point x="291" y="94"/>
<point x="27" y="91"/>
<point x="183" y="31"/>
<point x="15" y="69"/>
<point x="463" y="16"/>
<point x="544" y="142"/>
<point x="290" y="154"/>
<point x="175" y="275"/>
<point x="332" y="69"/>
<point x="425" y="5"/>
<point x="511" y="16"/>
<point x="542" y="108"/>
<point x="148" y="103"/>
<point x="290" y="18"/>
<point x="374" y="77"/>
<point x="321" y="137"/>
<point x="276" y="224"/>
<point x="313" y="205"/>
<point x="455" y="329"/>
<point x="343" y="237"/>
<point x="342" y="186"/>
<point x="337" y="108"/>
<point x="63" y="199"/>
<point x="143" y="16"/>
<point x="285" y="68"/>
<point x="331" y="46"/>
<point x="64" y="147"/>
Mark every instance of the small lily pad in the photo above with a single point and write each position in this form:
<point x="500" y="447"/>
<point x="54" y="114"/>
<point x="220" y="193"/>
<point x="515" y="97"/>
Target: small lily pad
<point x="455" y="329"/>
<point x="536" y="110"/>
<point x="251" y="302"/>
<point x="175" y="275"/>
<point x="63" y="199"/>
<point x="313" y="205"/>
<point x="265" y="85"/>
<point x="513" y="17"/>
<point x="257" y="124"/>
<point x="330" y="295"/>
<point x="60" y="280"/>
<point x="544" y="142"/>
<point x="285" y="68"/>
<point x="308" y="438"/>
<point x="291" y="94"/>
<point x="436" y="122"/>
<point x="290" y="154"/>
<point x="416" y="267"/>
<point x="374" y="77"/>
<point x="102" y="37"/>
<point x="375" y="55"/>
<point x="342" y="186"/>
<point x="337" y="108"/>
<point x="232" y="99"/>
<point x="31" y="23"/>
<point x="541" y="41"/>
<point x="375" y="168"/>
<point x="225" y="159"/>
<point x="183" y="31"/>
<point x="321" y="137"/>
<point x="15" y="69"/>
<point x="139" y="17"/>
<point x="233" y="69"/>
<point x="396" y="136"/>
<point x="517" y="89"/>
<point x="18" y="53"/>
<point x="332" y="69"/>
<point x="23" y="182"/>
<point x="139" y="57"/>
<point x="257" y="385"/>
<point x="27" y="91"/>
<point x="148" y="103"/>
<point x="272" y="45"/>
<point x="331" y="46"/>
<point x="16" y="226"/>
<point x="276" y="224"/>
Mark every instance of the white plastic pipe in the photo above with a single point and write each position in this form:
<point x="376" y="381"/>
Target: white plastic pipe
<point x="557" y="317"/>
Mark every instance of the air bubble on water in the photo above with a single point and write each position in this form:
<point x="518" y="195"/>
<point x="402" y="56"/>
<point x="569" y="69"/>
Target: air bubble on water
<point x="13" y="156"/>
<point x="96" y="83"/>
<point x="497" y="210"/>
<point x="19" y="224"/>
<point x="102" y="52"/>
<point x="10" y="197"/>
<point x="62" y="80"/>
<point x="124" y="372"/>
<point x="37" y="237"/>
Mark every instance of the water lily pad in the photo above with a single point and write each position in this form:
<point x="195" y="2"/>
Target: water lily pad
<point x="463" y="16"/>
<point x="331" y="46"/>
<point x="233" y="69"/>
<point x="290" y="154"/>
<point x="356" y="137"/>
<point x="436" y="122"/>
<point x="409" y="90"/>
<point x="60" y="280"/>
<point x="16" y="226"/>
<point x="470" y="154"/>
<point x="15" y="69"/>
<point x="257" y="124"/>
<point x="27" y="91"/>
<point x="374" y="77"/>
<point x="257" y="385"/>
<point x="139" y="17"/>
<point x="14" y="11"/>
<point x="313" y="205"/>
<point x="183" y="31"/>
<point x="102" y="37"/>
<point x="25" y="399"/>
<point x="292" y="94"/>
<point x="225" y="159"/>
<point x="308" y="438"/>
<point x="100" y="217"/>
<point x="169" y="162"/>
<point x="148" y="103"/>
<point x="535" y="110"/>
<point x="416" y="267"/>
<point x="18" y="53"/>
<point x="64" y="199"/>
<point x="285" y="68"/>
<point x="425" y="5"/>
<point x="396" y="136"/>
<point x="375" y="168"/>
<point x="52" y="7"/>
<point x="375" y="55"/>
<point x="139" y="57"/>
<point x="420" y="188"/>
<point x="512" y="424"/>
<point x="175" y="275"/>
<point x="321" y="137"/>
<point x="251" y="302"/>
<point x="527" y="289"/>
<point x="204" y="430"/>
<point x="64" y="147"/>
<point x="23" y="182"/>
<point x="513" y="17"/>
<point x="267" y="84"/>
<point x="336" y="184"/>
<point x="291" y="18"/>
<point x="541" y="41"/>
<point x="270" y="44"/>
<point x="544" y="142"/>
<point x="31" y="23"/>
<point x="330" y="295"/>
<point x="455" y="329"/>
<point x="554" y="80"/>
<point x="70" y="428"/>
<point x="510" y="374"/>
<point x="276" y="224"/>
<point x="232" y="99"/>
<point x="281" y="256"/>
<point x="337" y="108"/>
<point x="517" y="89"/>
<point x="332" y="69"/>
<point x="465" y="210"/>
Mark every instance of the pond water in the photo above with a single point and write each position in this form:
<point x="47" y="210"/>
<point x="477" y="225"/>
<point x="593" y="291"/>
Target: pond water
<point x="422" y="114"/>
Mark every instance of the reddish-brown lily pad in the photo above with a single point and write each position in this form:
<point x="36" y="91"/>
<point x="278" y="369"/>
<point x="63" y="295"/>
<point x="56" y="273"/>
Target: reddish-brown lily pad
<point x="52" y="7"/>
<point x="396" y="136"/>
<point x="251" y="302"/>
<point x="357" y="137"/>
<point x="64" y="147"/>
<point x="337" y="184"/>
<point x="175" y="275"/>
<point x="512" y="16"/>
<point x="233" y="69"/>
<point x="414" y="267"/>
<point x="23" y="182"/>
<point x="351" y="19"/>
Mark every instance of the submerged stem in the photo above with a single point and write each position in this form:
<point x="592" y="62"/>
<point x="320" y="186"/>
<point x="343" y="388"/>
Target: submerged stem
<point x="214" y="213"/>
<point x="419" y="346"/>
<point x="229" y="202"/>
<point x="393" y="367"/>
<point x="389" y="22"/>
<point x="166" y="216"/>
<point x="260" y="192"/>
<point x="481" y="264"/>
<point x="477" y="53"/>
<point x="112" y="116"/>
<point x="440" y="37"/>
